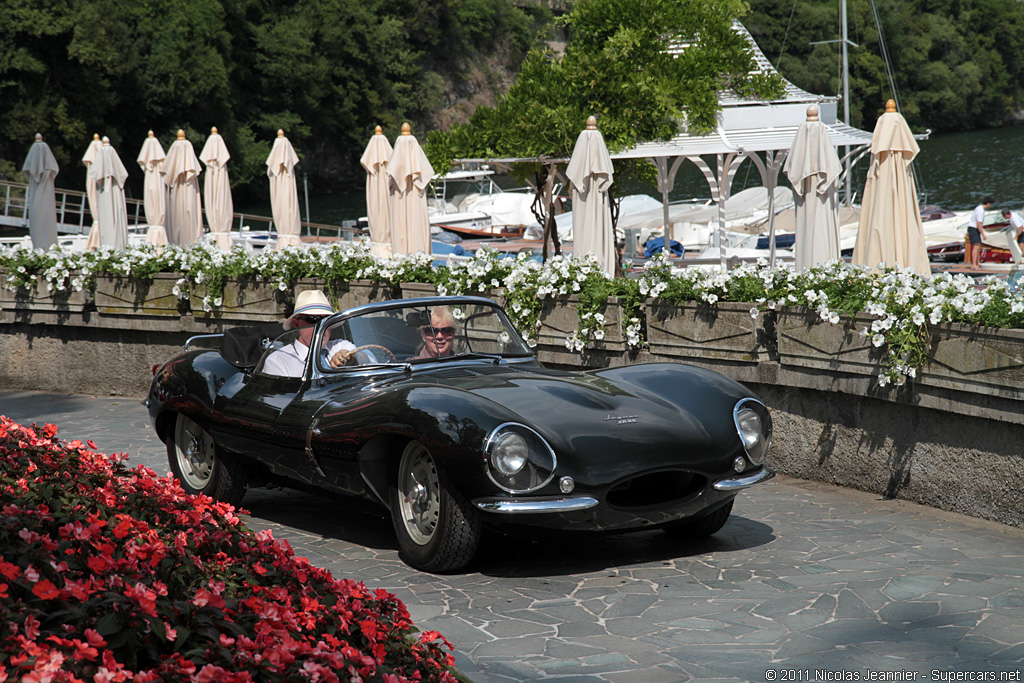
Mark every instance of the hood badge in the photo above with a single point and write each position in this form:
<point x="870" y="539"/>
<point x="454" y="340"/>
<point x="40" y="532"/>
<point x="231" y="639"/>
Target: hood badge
<point x="622" y="419"/>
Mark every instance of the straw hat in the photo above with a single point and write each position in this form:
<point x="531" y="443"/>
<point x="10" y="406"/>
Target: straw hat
<point x="311" y="302"/>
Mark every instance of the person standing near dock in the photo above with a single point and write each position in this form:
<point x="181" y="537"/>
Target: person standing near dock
<point x="976" y="232"/>
<point x="1013" y="228"/>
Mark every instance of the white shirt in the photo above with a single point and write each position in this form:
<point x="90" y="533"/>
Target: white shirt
<point x="1016" y="223"/>
<point x="290" y="361"/>
<point x="978" y="217"/>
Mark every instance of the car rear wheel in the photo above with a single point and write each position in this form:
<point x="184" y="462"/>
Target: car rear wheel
<point x="701" y="526"/>
<point x="195" y="462"/>
<point x="437" y="528"/>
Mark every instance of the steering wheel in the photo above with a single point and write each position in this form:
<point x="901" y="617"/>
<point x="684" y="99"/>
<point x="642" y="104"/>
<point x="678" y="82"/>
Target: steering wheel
<point x="344" y="357"/>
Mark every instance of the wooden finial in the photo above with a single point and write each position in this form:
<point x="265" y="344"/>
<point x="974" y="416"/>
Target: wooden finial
<point x="591" y="123"/>
<point x="95" y="136"/>
<point x="812" y="112"/>
<point x="406" y="129"/>
<point x="890" y="107"/>
<point x="106" y="140"/>
<point x="181" y="134"/>
<point x="148" y="135"/>
<point x="213" y="131"/>
<point x="39" y="137"/>
<point x="280" y="133"/>
<point x="378" y="131"/>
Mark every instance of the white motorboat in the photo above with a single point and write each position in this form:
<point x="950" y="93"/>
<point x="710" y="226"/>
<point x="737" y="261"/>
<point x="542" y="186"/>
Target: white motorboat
<point x="470" y="203"/>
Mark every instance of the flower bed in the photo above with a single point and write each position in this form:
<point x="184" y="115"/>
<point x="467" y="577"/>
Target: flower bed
<point x="899" y="309"/>
<point x="111" y="574"/>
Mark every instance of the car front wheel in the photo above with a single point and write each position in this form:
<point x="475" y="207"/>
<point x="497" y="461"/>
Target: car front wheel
<point x="437" y="528"/>
<point x="194" y="461"/>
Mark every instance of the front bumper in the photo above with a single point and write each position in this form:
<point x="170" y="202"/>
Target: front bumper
<point x="535" y="505"/>
<point x="737" y="483"/>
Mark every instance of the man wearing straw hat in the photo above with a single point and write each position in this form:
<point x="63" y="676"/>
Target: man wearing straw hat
<point x="290" y="361"/>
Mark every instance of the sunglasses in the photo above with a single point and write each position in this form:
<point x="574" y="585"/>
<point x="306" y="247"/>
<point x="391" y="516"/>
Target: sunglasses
<point x="308" y="319"/>
<point x="439" y="331"/>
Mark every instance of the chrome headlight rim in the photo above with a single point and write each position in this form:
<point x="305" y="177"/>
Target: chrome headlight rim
<point x="536" y="460"/>
<point x="758" y="453"/>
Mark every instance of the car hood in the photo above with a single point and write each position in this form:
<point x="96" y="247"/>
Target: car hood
<point x="654" y="411"/>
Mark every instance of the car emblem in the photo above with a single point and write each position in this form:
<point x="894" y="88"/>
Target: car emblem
<point x="622" y="419"/>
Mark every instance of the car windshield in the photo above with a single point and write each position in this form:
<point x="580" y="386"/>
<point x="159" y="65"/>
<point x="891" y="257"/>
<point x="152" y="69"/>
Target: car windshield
<point x="414" y="334"/>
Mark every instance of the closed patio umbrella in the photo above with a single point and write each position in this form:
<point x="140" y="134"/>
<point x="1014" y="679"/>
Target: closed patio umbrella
<point x="154" y="191"/>
<point x="91" y="152"/>
<point x="375" y="161"/>
<point x="184" y="210"/>
<point x="109" y="174"/>
<point x="284" y="194"/>
<point x="890" y="229"/>
<point x="813" y="169"/>
<point x="217" y="195"/>
<point x="409" y="173"/>
<point x="41" y="168"/>
<point x="590" y="172"/>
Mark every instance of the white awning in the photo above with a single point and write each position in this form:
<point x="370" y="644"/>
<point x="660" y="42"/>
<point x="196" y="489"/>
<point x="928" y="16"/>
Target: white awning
<point x="739" y="141"/>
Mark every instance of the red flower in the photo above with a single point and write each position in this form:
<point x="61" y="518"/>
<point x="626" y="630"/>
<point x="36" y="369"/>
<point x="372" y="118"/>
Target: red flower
<point x="44" y="590"/>
<point x="10" y="571"/>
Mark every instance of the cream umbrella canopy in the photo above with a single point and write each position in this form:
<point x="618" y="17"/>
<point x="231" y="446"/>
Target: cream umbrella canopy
<point x="109" y="174"/>
<point x="284" y="195"/>
<point x="184" y="210"/>
<point x="590" y="172"/>
<point x="91" y="152"/>
<point x="41" y="168"/>
<point x="154" y="191"/>
<point x="217" y="195"/>
<point x="813" y="170"/>
<point x="408" y="173"/>
<point x="375" y="160"/>
<point x="890" y="228"/>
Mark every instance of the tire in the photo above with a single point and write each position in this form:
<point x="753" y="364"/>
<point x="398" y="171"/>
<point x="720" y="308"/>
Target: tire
<point x="197" y="465"/>
<point x="437" y="528"/>
<point x="701" y="526"/>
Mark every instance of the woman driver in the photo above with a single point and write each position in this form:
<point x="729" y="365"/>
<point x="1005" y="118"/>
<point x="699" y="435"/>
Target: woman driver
<point x="437" y="337"/>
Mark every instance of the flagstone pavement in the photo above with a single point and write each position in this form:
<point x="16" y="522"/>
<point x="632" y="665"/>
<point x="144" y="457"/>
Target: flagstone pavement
<point x="807" y="582"/>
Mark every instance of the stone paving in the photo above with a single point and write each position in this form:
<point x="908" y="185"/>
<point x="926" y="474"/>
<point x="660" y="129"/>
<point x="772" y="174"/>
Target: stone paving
<point x="806" y="582"/>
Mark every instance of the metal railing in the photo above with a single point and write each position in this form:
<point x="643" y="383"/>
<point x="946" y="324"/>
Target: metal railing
<point x="73" y="215"/>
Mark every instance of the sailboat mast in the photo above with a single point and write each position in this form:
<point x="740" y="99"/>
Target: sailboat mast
<point x="846" y="92"/>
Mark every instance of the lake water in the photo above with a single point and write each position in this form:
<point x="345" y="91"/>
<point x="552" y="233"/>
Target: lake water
<point x="954" y="171"/>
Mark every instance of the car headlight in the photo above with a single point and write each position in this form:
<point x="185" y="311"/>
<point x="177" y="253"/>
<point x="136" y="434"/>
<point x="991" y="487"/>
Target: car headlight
<point x="754" y="426"/>
<point x="518" y="459"/>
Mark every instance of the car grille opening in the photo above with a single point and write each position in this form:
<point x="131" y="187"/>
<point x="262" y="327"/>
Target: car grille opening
<point x="656" y="488"/>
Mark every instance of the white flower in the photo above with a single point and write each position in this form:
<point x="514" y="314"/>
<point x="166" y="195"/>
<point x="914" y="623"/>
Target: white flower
<point x="878" y="340"/>
<point x="754" y="312"/>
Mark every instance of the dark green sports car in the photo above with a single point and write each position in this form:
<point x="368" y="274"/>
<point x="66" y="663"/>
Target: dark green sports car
<point x="437" y="409"/>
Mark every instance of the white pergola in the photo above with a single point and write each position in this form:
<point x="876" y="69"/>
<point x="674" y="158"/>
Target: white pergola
<point x="759" y="130"/>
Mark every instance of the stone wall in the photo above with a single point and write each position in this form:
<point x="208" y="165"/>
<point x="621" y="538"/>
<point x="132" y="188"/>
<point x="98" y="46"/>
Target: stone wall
<point x="951" y="439"/>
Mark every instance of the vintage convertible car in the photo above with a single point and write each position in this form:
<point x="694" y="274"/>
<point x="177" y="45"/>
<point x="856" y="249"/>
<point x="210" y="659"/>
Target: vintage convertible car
<point x="481" y="436"/>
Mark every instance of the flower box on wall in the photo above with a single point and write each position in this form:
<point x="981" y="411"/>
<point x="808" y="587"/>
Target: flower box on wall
<point x="985" y="360"/>
<point x="416" y="290"/>
<point x="560" y="318"/>
<point x="346" y="295"/>
<point x="244" y="299"/>
<point x="805" y="340"/>
<point x="725" y="331"/>
<point x="36" y="297"/>
<point x="118" y="295"/>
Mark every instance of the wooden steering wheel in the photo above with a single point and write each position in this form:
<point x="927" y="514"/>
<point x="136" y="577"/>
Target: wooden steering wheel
<point x="344" y="357"/>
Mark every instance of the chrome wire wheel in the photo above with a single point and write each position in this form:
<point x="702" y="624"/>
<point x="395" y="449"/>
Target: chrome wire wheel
<point x="419" y="491"/>
<point x="194" y="451"/>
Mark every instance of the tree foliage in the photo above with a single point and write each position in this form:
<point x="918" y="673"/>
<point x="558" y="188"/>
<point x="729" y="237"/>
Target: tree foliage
<point x="616" y="67"/>
<point x="958" y="64"/>
<point x="325" y="71"/>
